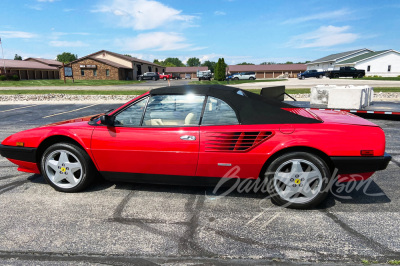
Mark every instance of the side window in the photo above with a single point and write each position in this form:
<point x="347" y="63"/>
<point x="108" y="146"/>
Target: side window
<point x="218" y="112"/>
<point x="174" y="110"/>
<point x="132" y="115"/>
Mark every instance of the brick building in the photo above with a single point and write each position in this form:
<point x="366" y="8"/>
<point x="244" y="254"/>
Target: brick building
<point x="30" y="69"/>
<point x="183" y="71"/>
<point x="106" y="65"/>
<point x="269" y="71"/>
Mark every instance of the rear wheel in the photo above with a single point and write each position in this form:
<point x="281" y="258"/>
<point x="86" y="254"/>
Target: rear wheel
<point x="165" y="78"/>
<point x="336" y="76"/>
<point x="298" y="180"/>
<point x="153" y="78"/>
<point x="320" y="76"/>
<point x="251" y="78"/>
<point x="67" y="167"/>
<point x="236" y="78"/>
<point x="359" y="76"/>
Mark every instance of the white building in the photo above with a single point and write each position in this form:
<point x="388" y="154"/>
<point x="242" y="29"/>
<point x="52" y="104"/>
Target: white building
<point x="384" y="63"/>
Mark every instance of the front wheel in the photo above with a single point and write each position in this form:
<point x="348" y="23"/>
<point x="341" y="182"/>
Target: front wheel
<point x="320" y="76"/>
<point x="67" y="167"/>
<point x="298" y="180"/>
<point x="153" y="78"/>
<point x="164" y="78"/>
<point x="251" y="78"/>
<point x="336" y="76"/>
<point x="303" y="77"/>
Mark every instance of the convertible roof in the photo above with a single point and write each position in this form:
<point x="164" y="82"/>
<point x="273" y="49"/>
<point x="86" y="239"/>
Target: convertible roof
<point x="249" y="107"/>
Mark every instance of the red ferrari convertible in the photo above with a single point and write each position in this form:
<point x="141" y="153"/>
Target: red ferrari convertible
<point x="200" y="135"/>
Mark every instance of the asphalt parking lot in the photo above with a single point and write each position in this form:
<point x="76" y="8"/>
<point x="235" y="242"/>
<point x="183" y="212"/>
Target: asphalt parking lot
<point x="126" y="223"/>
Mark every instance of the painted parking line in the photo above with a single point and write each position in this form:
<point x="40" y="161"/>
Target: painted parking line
<point x="18" y="108"/>
<point x="71" y="111"/>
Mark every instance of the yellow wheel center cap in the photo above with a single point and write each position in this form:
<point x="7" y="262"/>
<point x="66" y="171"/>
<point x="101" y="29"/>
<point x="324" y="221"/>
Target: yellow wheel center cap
<point x="297" y="181"/>
<point x="63" y="169"/>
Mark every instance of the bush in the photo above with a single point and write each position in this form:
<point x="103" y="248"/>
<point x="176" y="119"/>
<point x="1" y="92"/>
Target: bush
<point x="15" y="77"/>
<point x="2" y="78"/>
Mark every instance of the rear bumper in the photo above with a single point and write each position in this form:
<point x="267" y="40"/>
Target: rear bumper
<point x="352" y="165"/>
<point x="18" y="153"/>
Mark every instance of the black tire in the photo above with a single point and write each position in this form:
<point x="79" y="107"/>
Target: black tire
<point x="251" y="78"/>
<point x="303" y="77"/>
<point x="236" y="78"/>
<point x="164" y="78"/>
<point x="303" y="156"/>
<point x="88" y="171"/>
<point x="320" y="76"/>
<point x="336" y="76"/>
<point x="140" y="79"/>
<point x="153" y="78"/>
<point x="360" y="76"/>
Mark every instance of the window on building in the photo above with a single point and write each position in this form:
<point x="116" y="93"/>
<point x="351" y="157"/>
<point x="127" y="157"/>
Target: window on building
<point x="156" y="69"/>
<point x="107" y="72"/>
<point x="368" y="68"/>
<point x="82" y="72"/>
<point x="389" y="68"/>
<point x="95" y="72"/>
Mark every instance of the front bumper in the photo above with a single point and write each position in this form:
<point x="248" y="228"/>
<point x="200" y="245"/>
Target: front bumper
<point x="353" y="165"/>
<point x="18" y="153"/>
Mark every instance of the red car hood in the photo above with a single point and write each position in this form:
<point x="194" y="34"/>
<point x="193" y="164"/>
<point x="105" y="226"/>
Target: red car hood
<point x="75" y="120"/>
<point x="341" y="117"/>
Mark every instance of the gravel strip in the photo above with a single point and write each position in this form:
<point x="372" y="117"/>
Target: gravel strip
<point x="391" y="96"/>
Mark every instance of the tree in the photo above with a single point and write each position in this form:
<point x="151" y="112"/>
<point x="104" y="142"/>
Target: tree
<point x="175" y="61"/>
<point x="66" y="57"/>
<point x="193" y="62"/>
<point x="17" y="57"/>
<point x="268" y="63"/>
<point x="128" y="55"/>
<point x="289" y="62"/>
<point x="245" y="63"/>
<point x="220" y="70"/>
<point x="210" y="65"/>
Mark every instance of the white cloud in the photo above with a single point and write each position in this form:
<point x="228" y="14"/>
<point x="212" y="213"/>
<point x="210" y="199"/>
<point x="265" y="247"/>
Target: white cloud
<point x="17" y="34"/>
<point x="341" y="13"/>
<point x="143" y="14"/>
<point x="159" y="41"/>
<point x="219" y="13"/>
<point x="325" y="36"/>
<point x="68" y="44"/>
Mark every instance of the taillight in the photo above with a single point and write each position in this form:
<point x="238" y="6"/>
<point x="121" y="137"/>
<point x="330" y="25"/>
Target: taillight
<point x="367" y="153"/>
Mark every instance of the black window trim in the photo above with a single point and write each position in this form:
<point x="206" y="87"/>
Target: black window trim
<point x="169" y="126"/>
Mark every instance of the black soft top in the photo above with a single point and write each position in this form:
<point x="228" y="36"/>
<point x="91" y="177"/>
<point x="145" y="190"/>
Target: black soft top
<point x="249" y="107"/>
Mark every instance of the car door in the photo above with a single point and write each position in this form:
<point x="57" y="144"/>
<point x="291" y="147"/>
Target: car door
<point x="224" y="143"/>
<point x="157" y="135"/>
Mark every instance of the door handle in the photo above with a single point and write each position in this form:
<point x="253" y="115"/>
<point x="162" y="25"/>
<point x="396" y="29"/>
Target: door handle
<point x="188" y="137"/>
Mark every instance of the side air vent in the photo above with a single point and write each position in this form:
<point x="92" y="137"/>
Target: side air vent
<point x="235" y="141"/>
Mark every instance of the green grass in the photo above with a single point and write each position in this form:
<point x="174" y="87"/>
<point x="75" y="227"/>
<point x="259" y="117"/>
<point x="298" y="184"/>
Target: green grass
<point x="139" y="92"/>
<point x="381" y="78"/>
<point x="394" y="262"/>
<point x="233" y="82"/>
<point x="58" y="82"/>
<point x="73" y="92"/>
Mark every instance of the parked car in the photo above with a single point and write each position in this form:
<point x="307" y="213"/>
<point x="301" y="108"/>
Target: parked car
<point x="313" y="73"/>
<point x="229" y="77"/>
<point x="205" y="135"/>
<point x="244" y="75"/>
<point x="188" y="76"/>
<point x="176" y="76"/>
<point x="204" y="75"/>
<point x="346" y="72"/>
<point x="165" y="76"/>
<point x="149" y="76"/>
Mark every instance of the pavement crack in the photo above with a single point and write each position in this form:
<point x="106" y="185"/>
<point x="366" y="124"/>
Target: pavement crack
<point x="374" y="245"/>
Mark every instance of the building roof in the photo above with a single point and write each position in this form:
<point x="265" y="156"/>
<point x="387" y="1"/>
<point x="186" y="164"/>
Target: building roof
<point x="21" y="64"/>
<point x="334" y="57"/>
<point x="108" y="62"/>
<point x="250" y="108"/>
<point x="127" y="58"/>
<point x="276" y="67"/>
<point x="49" y="62"/>
<point x="362" y="57"/>
<point x="185" y="69"/>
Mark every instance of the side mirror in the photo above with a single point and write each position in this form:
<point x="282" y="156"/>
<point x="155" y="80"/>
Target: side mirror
<point x="107" y="120"/>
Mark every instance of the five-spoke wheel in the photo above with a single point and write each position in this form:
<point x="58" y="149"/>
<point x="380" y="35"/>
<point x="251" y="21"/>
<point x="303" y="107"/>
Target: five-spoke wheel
<point x="66" y="167"/>
<point x="298" y="180"/>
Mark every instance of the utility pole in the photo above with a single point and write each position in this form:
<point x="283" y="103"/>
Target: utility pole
<point x="4" y="61"/>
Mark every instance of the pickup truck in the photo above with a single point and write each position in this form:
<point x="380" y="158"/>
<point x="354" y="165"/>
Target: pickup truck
<point x="311" y="74"/>
<point x="346" y="72"/>
<point x="165" y="76"/>
<point x="204" y="75"/>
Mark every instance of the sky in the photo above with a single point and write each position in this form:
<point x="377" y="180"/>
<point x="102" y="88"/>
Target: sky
<point x="252" y="31"/>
